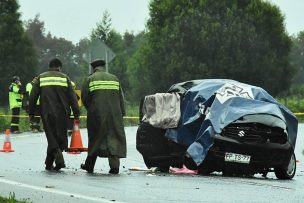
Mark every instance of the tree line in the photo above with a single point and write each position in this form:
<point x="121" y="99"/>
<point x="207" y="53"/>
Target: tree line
<point x="245" y="40"/>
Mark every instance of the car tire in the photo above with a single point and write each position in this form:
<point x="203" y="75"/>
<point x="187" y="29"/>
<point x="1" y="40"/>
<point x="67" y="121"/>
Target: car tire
<point x="205" y="171"/>
<point x="206" y="168"/>
<point x="287" y="172"/>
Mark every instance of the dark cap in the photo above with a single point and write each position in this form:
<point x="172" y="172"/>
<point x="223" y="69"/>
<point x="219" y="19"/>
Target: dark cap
<point x="16" y="78"/>
<point x="55" y="63"/>
<point x="97" y="63"/>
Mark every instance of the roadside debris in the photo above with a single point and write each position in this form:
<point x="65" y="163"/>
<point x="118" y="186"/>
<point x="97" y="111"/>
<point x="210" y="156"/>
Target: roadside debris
<point x="183" y="170"/>
<point x="139" y="169"/>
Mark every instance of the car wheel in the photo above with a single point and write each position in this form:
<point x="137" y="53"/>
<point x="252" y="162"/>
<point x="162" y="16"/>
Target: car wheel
<point x="287" y="172"/>
<point x="206" y="168"/>
<point x="205" y="171"/>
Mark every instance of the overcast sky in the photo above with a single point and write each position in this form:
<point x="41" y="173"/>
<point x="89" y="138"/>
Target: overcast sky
<point x="75" y="19"/>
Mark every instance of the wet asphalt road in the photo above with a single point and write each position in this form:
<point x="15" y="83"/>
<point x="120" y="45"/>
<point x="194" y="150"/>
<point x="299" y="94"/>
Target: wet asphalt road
<point x="23" y="172"/>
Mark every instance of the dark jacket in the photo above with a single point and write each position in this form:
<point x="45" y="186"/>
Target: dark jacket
<point x="102" y="96"/>
<point x="57" y="97"/>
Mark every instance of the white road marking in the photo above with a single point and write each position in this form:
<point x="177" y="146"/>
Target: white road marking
<point x="54" y="191"/>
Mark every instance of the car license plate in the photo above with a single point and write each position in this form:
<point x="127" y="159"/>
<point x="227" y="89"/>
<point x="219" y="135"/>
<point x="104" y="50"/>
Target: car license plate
<point x="239" y="158"/>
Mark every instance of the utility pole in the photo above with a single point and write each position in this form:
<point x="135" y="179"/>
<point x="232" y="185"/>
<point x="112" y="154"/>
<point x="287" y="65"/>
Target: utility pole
<point x="89" y="62"/>
<point x="106" y="59"/>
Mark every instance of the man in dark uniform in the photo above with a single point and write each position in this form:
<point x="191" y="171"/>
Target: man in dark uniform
<point x="102" y="96"/>
<point x="57" y="97"/>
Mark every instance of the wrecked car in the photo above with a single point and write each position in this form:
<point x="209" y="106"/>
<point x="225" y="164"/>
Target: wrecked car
<point x="218" y="125"/>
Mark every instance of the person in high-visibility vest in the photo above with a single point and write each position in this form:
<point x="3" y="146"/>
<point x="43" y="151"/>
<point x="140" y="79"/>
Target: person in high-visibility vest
<point x="71" y="119"/>
<point x="15" y="103"/>
<point x="57" y="98"/>
<point x="35" y="122"/>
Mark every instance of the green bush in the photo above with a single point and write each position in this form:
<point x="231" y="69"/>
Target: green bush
<point x="294" y="104"/>
<point x="12" y="199"/>
<point x="131" y="115"/>
<point x="4" y="120"/>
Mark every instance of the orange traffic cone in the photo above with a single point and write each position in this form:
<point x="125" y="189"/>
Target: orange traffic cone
<point x="76" y="146"/>
<point x="7" y="146"/>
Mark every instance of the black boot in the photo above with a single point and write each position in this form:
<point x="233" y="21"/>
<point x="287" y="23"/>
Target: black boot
<point x="85" y="167"/>
<point x="59" y="160"/>
<point x="114" y="171"/>
<point x="49" y="160"/>
<point x="89" y="164"/>
<point x="114" y="163"/>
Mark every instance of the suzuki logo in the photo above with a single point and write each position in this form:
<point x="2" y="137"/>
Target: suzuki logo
<point x="241" y="133"/>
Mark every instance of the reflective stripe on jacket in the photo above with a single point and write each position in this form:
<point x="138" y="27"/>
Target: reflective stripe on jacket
<point x="56" y="93"/>
<point x="54" y="81"/>
<point x="103" y="85"/>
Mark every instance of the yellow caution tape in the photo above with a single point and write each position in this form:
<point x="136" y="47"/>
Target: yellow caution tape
<point x="20" y="116"/>
<point x="299" y="114"/>
<point x="126" y="117"/>
<point x="131" y="117"/>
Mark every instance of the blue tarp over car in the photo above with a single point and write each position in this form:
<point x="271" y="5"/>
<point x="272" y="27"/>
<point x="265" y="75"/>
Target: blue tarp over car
<point x="212" y="104"/>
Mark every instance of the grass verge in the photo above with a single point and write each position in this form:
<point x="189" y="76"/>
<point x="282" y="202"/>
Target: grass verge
<point x="12" y="199"/>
